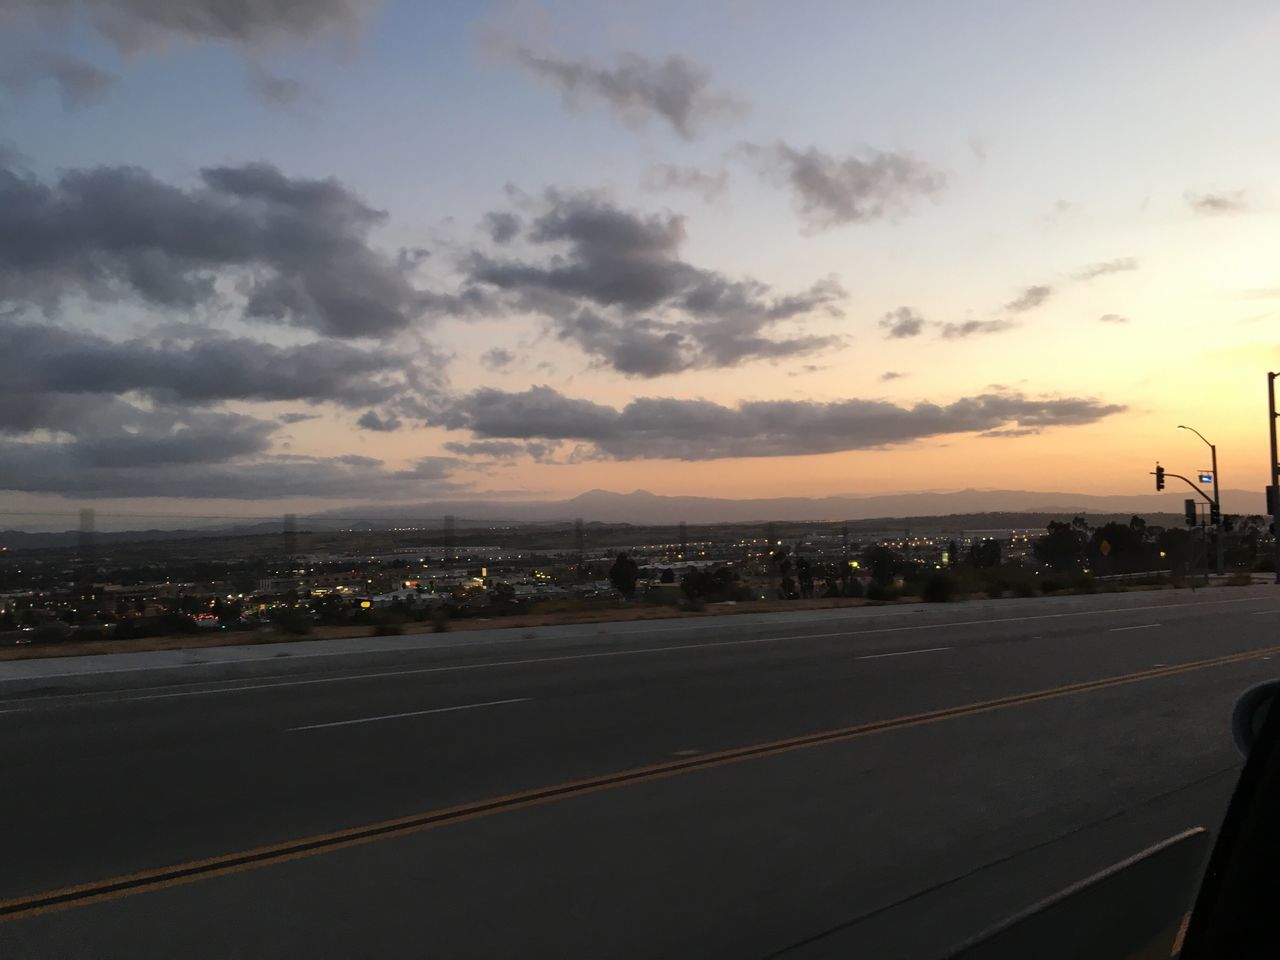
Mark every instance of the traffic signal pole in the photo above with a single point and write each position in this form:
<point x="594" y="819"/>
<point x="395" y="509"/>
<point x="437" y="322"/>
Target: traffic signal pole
<point x="1275" y="473"/>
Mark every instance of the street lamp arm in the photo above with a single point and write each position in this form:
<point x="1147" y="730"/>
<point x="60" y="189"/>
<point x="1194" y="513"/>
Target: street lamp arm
<point x="1183" y="426"/>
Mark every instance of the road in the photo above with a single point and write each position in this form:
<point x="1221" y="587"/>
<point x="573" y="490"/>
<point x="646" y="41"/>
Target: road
<point x="878" y="782"/>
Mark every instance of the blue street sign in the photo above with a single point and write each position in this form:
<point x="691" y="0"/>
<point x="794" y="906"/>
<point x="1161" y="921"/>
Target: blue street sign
<point x="1206" y="476"/>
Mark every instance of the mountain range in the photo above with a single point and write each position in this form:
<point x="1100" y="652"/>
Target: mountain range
<point x="643" y="507"/>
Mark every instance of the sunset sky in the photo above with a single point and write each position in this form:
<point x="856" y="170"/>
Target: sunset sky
<point x="300" y="255"/>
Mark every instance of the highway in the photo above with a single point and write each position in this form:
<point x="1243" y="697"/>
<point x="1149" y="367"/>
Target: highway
<point x="872" y="782"/>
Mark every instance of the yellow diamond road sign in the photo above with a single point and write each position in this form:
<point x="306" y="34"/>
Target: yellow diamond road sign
<point x="1104" y="548"/>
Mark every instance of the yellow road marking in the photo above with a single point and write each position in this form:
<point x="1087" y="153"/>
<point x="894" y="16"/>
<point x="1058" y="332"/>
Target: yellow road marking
<point x="183" y="873"/>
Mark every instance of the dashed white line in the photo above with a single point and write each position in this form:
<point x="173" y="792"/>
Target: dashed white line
<point x="1263" y="613"/>
<point x="411" y="713"/>
<point x="1140" y="626"/>
<point x="900" y="653"/>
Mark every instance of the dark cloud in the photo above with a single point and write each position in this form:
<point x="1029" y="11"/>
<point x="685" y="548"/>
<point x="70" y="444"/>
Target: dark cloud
<point x="1011" y="432"/>
<point x="902" y="323"/>
<point x="970" y="328"/>
<point x="370" y="420"/>
<point x="613" y="283"/>
<point x="275" y="89"/>
<point x="78" y="82"/>
<point x="891" y="375"/>
<point x="676" y="89"/>
<point x="506" y="450"/>
<point x="1112" y="318"/>
<point x="664" y="428"/>
<point x="292" y="418"/>
<point x="497" y="358"/>
<point x="807" y="370"/>
<point x="1102" y="268"/>
<point x="1232" y="201"/>
<point x="298" y="249"/>
<point x="831" y="191"/>
<point x="491" y="449"/>
<point x="667" y="176"/>
<point x="503" y="227"/>
<point x="70" y="470"/>
<point x="1029" y="299"/>
<point x="44" y="358"/>
<point x="134" y="25"/>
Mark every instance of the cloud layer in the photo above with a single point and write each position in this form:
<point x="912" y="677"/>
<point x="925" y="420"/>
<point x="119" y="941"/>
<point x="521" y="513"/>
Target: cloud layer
<point x="612" y="282"/>
<point x="665" y="428"/>
<point x="134" y="25"/>
<point x="296" y="250"/>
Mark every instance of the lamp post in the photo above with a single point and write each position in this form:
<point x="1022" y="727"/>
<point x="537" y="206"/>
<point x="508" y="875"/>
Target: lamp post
<point x="1213" y="451"/>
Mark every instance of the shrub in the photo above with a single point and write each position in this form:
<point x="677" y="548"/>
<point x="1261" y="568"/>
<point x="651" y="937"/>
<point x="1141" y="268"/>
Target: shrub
<point x="879" y="593"/>
<point x="52" y="631"/>
<point x="440" y="620"/>
<point x="855" y="588"/>
<point x="1024" y="588"/>
<point x="386" y="630"/>
<point x="1049" y="585"/>
<point x="291" y="620"/>
<point x="939" y="588"/>
<point x="1239" y="580"/>
<point x="1085" y="584"/>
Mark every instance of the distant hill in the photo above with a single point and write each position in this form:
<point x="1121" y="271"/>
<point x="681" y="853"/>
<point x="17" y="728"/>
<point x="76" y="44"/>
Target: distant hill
<point x="968" y="509"/>
<point x="643" y="507"/>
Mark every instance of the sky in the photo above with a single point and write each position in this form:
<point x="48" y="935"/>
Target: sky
<point x="270" y="257"/>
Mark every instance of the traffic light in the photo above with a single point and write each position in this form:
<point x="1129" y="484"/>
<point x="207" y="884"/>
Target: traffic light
<point x="1215" y="515"/>
<point x="1189" y="506"/>
<point x="1159" y="477"/>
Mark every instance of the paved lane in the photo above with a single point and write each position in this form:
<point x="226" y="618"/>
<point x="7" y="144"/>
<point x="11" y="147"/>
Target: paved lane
<point x="961" y="819"/>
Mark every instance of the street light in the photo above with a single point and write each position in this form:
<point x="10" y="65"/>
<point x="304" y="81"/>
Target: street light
<point x="1213" y="450"/>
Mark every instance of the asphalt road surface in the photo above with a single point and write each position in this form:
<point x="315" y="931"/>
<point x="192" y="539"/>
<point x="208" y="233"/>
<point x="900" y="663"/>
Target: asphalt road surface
<point x="879" y="782"/>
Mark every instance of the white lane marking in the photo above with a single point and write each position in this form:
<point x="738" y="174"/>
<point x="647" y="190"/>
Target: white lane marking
<point x="418" y="670"/>
<point x="697" y="624"/>
<point x="1140" y="626"/>
<point x="901" y="653"/>
<point x="1264" y="613"/>
<point x="411" y="713"/>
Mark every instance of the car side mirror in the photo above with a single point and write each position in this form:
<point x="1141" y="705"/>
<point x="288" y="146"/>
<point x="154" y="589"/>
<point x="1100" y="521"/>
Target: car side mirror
<point x="1251" y="712"/>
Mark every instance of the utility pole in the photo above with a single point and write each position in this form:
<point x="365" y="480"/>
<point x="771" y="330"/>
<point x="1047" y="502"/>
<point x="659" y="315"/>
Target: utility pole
<point x="1275" y="474"/>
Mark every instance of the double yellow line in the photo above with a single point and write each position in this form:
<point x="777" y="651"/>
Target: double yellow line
<point x="182" y="873"/>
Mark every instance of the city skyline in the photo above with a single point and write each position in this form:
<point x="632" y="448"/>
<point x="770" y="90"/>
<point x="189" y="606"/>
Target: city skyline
<point x="365" y="251"/>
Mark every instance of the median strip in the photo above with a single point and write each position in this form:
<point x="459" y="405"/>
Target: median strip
<point x="178" y="874"/>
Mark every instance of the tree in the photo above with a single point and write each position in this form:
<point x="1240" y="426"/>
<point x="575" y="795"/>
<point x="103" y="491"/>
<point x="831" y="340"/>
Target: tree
<point x="984" y="553"/>
<point x="1126" y="548"/>
<point x="883" y="563"/>
<point x="804" y="573"/>
<point x="623" y="575"/>
<point x="953" y="554"/>
<point x="1062" y="547"/>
